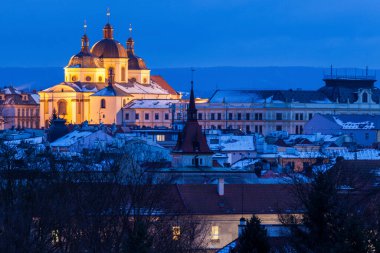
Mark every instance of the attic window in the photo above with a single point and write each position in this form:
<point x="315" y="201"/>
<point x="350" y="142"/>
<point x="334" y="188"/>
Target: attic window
<point x="365" y="97"/>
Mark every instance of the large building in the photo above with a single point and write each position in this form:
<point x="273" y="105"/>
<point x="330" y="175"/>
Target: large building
<point x="18" y="109"/>
<point x="99" y="81"/>
<point x="266" y="111"/>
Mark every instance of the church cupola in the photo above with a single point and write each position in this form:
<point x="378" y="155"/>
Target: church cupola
<point x="108" y="29"/>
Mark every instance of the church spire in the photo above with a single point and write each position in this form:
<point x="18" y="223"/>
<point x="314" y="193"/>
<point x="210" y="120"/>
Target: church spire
<point x="111" y="77"/>
<point x="130" y="43"/>
<point x="108" y="29"/>
<point x="192" y="110"/>
<point x="85" y="41"/>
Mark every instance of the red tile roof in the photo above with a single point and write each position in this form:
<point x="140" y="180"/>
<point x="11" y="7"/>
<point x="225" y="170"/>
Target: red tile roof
<point x="237" y="199"/>
<point x="161" y="81"/>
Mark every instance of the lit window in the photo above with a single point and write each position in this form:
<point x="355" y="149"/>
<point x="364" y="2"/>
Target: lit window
<point x="74" y="78"/>
<point x="123" y="74"/>
<point x="55" y="236"/>
<point x="215" y="233"/>
<point x="100" y="79"/>
<point x="145" y="80"/>
<point x="88" y="78"/>
<point x="160" y="137"/>
<point x="176" y="232"/>
<point x="62" y="106"/>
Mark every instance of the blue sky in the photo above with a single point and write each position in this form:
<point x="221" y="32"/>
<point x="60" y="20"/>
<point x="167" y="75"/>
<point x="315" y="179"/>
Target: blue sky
<point x="199" y="33"/>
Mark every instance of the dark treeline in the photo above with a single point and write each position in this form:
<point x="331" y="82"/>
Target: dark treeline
<point x="96" y="202"/>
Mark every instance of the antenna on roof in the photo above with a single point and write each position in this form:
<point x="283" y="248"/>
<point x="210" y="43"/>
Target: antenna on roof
<point x="108" y="14"/>
<point x="331" y="70"/>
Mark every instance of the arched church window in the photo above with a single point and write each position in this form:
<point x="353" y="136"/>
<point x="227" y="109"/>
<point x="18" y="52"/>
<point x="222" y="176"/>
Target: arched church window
<point x="103" y="103"/>
<point x="123" y="74"/>
<point x="365" y="97"/>
<point x="145" y="80"/>
<point x="62" y="105"/>
<point x="100" y="79"/>
<point x="88" y="78"/>
<point x="74" y="79"/>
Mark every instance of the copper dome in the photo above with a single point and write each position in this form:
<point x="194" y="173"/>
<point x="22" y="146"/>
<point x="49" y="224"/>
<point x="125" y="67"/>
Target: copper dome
<point x="134" y="62"/>
<point x="85" y="60"/>
<point x="108" y="48"/>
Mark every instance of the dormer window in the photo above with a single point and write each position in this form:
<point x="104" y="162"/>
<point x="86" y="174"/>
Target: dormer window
<point x="24" y="97"/>
<point x="2" y="97"/>
<point x="365" y="97"/>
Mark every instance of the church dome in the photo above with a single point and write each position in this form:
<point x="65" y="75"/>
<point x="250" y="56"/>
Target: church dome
<point x="108" y="47"/>
<point x="84" y="59"/>
<point x="134" y="62"/>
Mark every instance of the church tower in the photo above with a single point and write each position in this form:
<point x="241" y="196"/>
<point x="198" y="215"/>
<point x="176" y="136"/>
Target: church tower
<point x="192" y="149"/>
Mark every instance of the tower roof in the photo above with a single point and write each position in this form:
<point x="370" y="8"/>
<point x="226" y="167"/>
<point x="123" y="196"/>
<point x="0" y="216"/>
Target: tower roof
<point x="84" y="59"/>
<point x="192" y="140"/>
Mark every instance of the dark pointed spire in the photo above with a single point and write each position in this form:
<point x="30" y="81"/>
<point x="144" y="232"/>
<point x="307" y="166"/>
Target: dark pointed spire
<point x="111" y="77"/>
<point x="192" y="110"/>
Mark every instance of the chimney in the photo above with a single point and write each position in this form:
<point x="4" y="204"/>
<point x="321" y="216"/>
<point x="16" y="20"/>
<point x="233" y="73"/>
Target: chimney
<point x="242" y="226"/>
<point x="221" y="186"/>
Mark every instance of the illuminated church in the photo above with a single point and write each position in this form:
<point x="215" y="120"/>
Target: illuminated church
<point x="100" y="80"/>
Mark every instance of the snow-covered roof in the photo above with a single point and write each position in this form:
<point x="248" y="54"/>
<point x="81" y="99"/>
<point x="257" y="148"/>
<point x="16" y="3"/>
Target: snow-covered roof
<point x="354" y="121"/>
<point x="151" y="103"/>
<point x="268" y="96"/>
<point x="70" y="138"/>
<point x="231" y="142"/>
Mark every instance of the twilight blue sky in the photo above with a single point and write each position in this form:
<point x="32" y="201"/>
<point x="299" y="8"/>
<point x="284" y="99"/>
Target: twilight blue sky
<point x="199" y="33"/>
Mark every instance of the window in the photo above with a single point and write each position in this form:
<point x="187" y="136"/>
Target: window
<point x="127" y="116"/>
<point x="239" y="116"/>
<point x="301" y="129"/>
<point x="62" y="105"/>
<point x="219" y="127"/>
<point x="55" y="236"/>
<point x="145" y="80"/>
<point x="88" y="78"/>
<point x="124" y="102"/>
<point x="103" y="103"/>
<point x="176" y="232"/>
<point x="278" y="128"/>
<point x="122" y="74"/>
<point x="247" y="116"/>
<point x="74" y="79"/>
<point x="310" y="116"/>
<point x="23" y="112"/>
<point x="258" y="116"/>
<point x="297" y="130"/>
<point x="18" y="112"/>
<point x="278" y="116"/>
<point x="247" y="129"/>
<point x="156" y="116"/>
<point x="100" y="79"/>
<point x="200" y="116"/>
<point x="27" y="112"/>
<point x="212" y="116"/>
<point x="146" y="116"/>
<point x="365" y="97"/>
<point x="178" y="115"/>
<point x="230" y="116"/>
<point x="160" y="137"/>
<point x="137" y="116"/>
<point x="215" y="233"/>
<point x="166" y="116"/>
<point x="219" y="116"/>
<point x="366" y="136"/>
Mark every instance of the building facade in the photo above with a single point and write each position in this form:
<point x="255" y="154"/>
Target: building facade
<point x="18" y="109"/>
<point x="99" y="81"/>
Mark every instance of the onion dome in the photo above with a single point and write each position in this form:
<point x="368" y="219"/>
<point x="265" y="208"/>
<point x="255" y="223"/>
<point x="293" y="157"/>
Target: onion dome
<point x="134" y="62"/>
<point x="108" y="47"/>
<point x="84" y="59"/>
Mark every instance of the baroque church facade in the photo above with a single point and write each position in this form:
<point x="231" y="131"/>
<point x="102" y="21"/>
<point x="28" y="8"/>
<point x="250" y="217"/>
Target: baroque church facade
<point x="99" y="81"/>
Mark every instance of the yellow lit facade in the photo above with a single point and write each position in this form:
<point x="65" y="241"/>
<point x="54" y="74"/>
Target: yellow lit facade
<point x="99" y="81"/>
